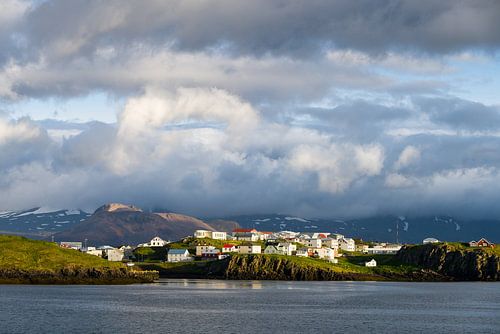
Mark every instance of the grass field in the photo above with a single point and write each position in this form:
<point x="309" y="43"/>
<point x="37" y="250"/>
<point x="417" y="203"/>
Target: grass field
<point x="26" y="254"/>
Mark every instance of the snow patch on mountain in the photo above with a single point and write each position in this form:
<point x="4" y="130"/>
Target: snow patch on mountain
<point x="297" y="219"/>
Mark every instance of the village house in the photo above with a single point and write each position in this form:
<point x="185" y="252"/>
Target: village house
<point x="179" y="255"/>
<point x="249" y="249"/>
<point x="200" y="249"/>
<point x="155" y="242"/>
<point x="213" y="254"/>
<point x="113" y="254"/>
<point x="481" y="243"/>
<point x="430" y="241"/>
<point x="199" y="234"/>
<point x="263" y="236"/>
<point x="313" y="243"/>
<point x="287" y="248"/>
<point x="271" y="249"/>
<point x="330" y="243"/>
<point x="322" y="253"/>
<point x="229" y="248"/>
<point x="304" y="252"/>
<point x="336" y="236"/>
<point x="219" y="235"/>
<point x="320" y="235"/>
<point x="243" y="234"/>
<point x="93" y="251"/>
<point x="347" y="244"/>
<point x="76" y="245"/>
<point x="128" y="252"/>
<point x="371" y="263"/>
<point x="382" y="248"/>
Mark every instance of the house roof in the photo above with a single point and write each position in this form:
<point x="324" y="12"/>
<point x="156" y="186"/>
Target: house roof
<point x="177" y="251"/>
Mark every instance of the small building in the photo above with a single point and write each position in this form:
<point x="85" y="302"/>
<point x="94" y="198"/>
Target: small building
<point x="229" y="248"/>
<point x="271" y="249"/>
<point x="76" y="245"/>
<point x="430" y="241"/>
<point x="330" y="243"/>
<point x="304" y="252"/>
<point x="202" y="234"/>
<point x="249" y="249"/>
<point x="347" y="244"/>
<point x="213" y="254"/>
<point x="247" y="236"/>
<point x="93" y="251"/>
<point x="219" y="235"/>
<point x="481" y="243"/>
<point x="155" y="242"/>
<point x="287" y="248"/>
<point x="371" y="263"/>
<point x="382" y="248"/>
<point x="313" y="243"/>
<point x="320" y="235"/>
<point x="114" y="254"/>
<point x="336" y="236"/>
<point x="200" y="249"/>
<point x="179" y="255"/>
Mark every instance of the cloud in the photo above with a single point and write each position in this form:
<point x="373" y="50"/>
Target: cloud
<point x="460" y="114"/>
<point x="408" y="156"/>
<point x="295" y="28"/>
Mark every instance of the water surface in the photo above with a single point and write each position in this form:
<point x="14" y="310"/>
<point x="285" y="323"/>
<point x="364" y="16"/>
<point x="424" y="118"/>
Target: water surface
<point x="211" y="306"/>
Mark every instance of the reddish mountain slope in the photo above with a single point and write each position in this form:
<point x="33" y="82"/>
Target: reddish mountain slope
<point x="117" y="224"/>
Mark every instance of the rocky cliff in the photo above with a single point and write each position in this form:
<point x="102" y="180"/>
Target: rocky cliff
<point x="454" y="260"/>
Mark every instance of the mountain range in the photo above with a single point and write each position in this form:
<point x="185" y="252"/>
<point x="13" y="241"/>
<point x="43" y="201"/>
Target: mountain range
<point x="117" y="224"/>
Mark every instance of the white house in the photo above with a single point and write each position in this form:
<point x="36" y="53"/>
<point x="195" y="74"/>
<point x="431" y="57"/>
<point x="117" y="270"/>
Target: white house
<point x="320" y="235"/>
<point x="178" y="255"/>
<point x="313" y="243"/>
<point x="229" y="248"/>
<point x="430" y="241"/>
<point x="155" y="242"/>
<point x="114" y="254"/>
<point x="249" y="249"/>
<point x="94" y="251"/>
<point x="76" y="245"/>
<point x="219" y="235"/>
<point x="336" y="236"/>
<point x="347" y="244"/>
<point x="200" y="249"/>
<point x="202" y="234"/>
<point x="286" y="248"/>
<point x="371" y="263"/>
<point x="382" y="249"/>
<point x="330" y="243"/>
<point x="304" y="252"/>
<point x="271" y="249"/>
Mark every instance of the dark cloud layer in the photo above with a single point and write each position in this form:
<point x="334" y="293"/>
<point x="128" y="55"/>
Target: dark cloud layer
<point x="296" y="28"/>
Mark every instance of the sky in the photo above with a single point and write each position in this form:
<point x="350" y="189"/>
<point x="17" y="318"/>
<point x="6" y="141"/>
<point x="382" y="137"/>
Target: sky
<point x="318" y="108"/>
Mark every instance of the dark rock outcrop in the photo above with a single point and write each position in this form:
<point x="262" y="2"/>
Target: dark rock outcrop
<point x="77" y="276"/>
<point x="458" y="262"/>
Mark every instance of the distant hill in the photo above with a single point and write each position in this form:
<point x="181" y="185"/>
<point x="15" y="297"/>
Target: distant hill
<point x="381" y="228"/>
<point x="117" y="224"/>
<point x="39" y="223"/>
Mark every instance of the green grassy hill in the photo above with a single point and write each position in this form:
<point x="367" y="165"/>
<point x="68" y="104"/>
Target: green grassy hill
<point x="24" y="260"/>
<point x="26" y="254"/>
